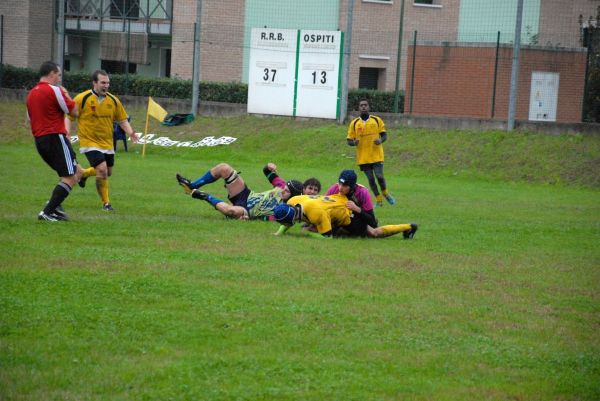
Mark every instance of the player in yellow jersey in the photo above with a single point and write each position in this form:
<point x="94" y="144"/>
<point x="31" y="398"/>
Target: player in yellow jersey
<point x="326" y="213"/>
<point x="336" y="215"/>
<point x="98" y="109"/>
<point x="364" y="223"/>
<point x="368" y="134"/>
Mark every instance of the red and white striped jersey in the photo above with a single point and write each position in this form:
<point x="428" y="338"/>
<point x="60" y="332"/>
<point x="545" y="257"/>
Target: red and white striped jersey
<point x="46" y="108"/>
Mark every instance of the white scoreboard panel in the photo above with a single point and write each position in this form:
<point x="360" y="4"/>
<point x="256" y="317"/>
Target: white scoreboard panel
<point x="319" y="74"/>
<point x="295" y="73"/>
<point x="272" y="71"/>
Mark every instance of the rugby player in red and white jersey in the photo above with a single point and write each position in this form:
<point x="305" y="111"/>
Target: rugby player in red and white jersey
<point x="47" y="105"/>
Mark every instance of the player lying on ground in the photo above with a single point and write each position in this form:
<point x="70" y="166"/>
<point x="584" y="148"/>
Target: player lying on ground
<point x="325" y="213"/>
<point x="360" y="203"/>
<point x="331" y="215"/>
<point x="244" y="203"/>
<point x="311" y="186"/>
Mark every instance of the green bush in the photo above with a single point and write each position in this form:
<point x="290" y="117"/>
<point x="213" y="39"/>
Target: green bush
<point x="138" y="85"/>
<point x="224" y="92"/>
<point x="591" y="98"/>
<point x="159" y="87"/>
<point x="381" y="102"/>
<point x="77" y="82"/>
<point x="17" y="78"/>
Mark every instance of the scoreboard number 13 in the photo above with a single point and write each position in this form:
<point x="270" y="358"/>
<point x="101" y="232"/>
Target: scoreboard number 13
<point x="323" y="79"/>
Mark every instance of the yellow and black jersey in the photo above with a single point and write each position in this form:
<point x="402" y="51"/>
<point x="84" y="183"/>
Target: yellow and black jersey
<point x="96" y="118"/>
<point x="324" y="212"/>
<point x="367" y="132"/>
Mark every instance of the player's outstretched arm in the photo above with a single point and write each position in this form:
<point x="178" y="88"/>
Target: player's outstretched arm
<point x="127" y="128"/>
<point x="282" y="230"/>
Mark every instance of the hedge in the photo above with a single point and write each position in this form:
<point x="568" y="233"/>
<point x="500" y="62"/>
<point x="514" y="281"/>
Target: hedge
<point x="138" y="85"/>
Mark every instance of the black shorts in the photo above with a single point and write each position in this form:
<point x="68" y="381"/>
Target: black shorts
<point x="96" y="157"/>
<point x="370" y="166"/>
<point x="356" y="228"/>
<point x="241" y="199"/>
<point x="57" y="152"/>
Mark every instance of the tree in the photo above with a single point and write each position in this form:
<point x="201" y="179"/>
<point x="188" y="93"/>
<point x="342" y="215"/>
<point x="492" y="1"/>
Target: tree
<point x="590" y="38"/>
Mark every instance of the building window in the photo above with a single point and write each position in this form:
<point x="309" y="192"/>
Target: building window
<point x="168" y="63"/>
<point x="428" y="3"/>
<point x="368" y="78"/>
<point x="129" y="9"/>
<point x="117" y="67"/>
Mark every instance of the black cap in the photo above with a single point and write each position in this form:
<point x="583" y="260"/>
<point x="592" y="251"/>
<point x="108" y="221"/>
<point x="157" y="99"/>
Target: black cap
<point x="348" y="177"/>
<point x="295" y="187"/>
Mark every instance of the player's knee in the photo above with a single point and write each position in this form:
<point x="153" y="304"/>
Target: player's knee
<point x="230" y="179"/>
<point x="374" y="232"/>
<point x="232" y="213"/>
<point x="71" y="180"/>
<point x="222" y="170"/>
<point x="78" y="173"/>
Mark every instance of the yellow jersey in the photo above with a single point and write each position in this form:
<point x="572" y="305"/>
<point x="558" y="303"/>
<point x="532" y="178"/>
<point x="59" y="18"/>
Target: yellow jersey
<point x="324" y="212"/>
<point x="95" y="121"/>
<point x="367" y="132"/>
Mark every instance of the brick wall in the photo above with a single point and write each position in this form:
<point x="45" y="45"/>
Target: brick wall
<point x="15" y="32"/>
<point x="182" y="46"/>
<point x="375" y="33"/>
<point x="459" y="81"/>
<point x="559" y="21"/>
<point x="28" y="32"/>
<point x="41" y="33"/>
<point x="222" y="39"/>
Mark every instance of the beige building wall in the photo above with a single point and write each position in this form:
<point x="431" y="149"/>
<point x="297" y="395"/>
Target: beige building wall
<point x="42" y="40"/>
<point x="559" y="21"/>
<point x="374" y="42"/>
<point x="28" y="35"/>
<point x="182" y="45"/>
<point x="29" y="38"/>
<point x="221" y="49"/>
<point x="375" y="34"/>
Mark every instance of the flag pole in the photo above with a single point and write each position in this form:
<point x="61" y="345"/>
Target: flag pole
<point x="146" y="129"/>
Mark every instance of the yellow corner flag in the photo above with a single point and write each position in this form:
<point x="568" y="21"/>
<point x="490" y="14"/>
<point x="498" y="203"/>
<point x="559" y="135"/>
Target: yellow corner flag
<point x="156" y="111"/>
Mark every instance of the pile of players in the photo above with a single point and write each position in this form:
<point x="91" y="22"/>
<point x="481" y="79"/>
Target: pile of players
<point x="346" y="209"/>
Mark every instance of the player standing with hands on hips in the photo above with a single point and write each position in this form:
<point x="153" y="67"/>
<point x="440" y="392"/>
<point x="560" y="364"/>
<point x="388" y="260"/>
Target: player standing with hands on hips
<point x="98" y="109"/>
<point x="47" y="104"/>
<point x="367" y="133"/>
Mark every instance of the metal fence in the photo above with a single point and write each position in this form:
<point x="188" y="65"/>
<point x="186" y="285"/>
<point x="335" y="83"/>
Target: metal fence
<point x="454" y="58"/>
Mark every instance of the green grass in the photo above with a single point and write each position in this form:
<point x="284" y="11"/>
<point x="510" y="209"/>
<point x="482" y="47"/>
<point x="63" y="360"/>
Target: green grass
<point x="496" y="298"/>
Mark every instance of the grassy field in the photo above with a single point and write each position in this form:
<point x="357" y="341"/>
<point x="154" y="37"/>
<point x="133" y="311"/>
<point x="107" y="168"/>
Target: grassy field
<point x="496" y="298"/>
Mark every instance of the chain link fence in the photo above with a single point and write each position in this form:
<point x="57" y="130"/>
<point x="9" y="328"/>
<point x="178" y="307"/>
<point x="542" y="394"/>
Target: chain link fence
<point x="451" y="58"/>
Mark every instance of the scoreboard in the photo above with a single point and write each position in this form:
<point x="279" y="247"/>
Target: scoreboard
<point x="295" y="72"/>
